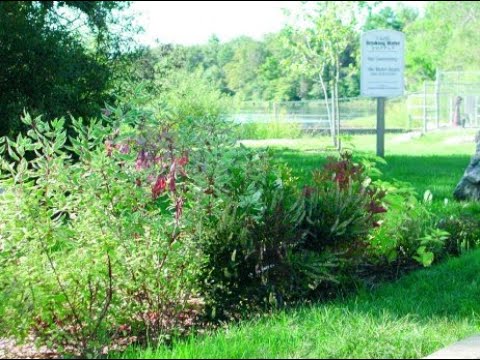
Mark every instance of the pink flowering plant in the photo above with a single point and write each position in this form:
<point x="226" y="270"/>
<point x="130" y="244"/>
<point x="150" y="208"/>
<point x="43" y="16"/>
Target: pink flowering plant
<point x="96" y="250"/>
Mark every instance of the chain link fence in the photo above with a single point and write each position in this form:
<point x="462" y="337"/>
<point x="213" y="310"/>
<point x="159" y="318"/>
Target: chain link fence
<point x="296" y="118"/>
<point x="452" y="100"/>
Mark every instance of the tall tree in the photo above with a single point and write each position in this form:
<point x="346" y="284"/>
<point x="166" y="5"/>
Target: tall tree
<point x="56" y="57"/>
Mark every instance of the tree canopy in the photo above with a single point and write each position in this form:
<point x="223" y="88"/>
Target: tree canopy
<point x="56" y="57"/>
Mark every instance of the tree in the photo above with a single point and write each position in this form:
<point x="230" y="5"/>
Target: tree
<point x="388" y="18"/>
<point x="56" y="58"/>
<point x="242" y="71"/>
<point x="445" y="38"/>
<point x="319" y="39"/>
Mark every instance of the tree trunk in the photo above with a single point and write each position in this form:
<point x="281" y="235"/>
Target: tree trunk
<point x="333" y="121"/>
<point x="337" y="104"/>
<point x="327" y="105"/>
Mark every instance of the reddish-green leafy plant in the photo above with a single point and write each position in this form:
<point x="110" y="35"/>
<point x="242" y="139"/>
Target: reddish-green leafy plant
<point x="342" y="206"/>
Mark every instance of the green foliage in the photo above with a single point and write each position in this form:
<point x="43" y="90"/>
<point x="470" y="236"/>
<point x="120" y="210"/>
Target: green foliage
<point x="190" y="96"/>
<point x="49" y="65"/>
<point x="270" y="130"/>
<point x="100" y="235"/>
<point x="462" y="223"/>
<point x="414" y="230"/>
<point x="92" y="253"/>
<point x="342" y="207"/>
<point x="272" y="245"/>
<point x="249" y="241"/>
<point x="445" y="38"/>
<point x="389" y="18"/>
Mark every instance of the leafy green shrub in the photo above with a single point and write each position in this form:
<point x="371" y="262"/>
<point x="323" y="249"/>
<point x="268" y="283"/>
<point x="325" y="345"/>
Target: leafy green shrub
<point x="100" y="229"/>
<point x="342" y="207"/>
<point x="413" y="232"/>
<point x="248" y="240"/>
<point x="462" y="223"/>
<point x="272" y="244"/>
<point x="98" y="251"/>
<point x="189" y="96"/>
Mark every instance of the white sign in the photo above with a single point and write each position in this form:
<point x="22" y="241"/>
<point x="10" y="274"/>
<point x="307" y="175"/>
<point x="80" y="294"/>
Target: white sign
<point x="383" y="63"/>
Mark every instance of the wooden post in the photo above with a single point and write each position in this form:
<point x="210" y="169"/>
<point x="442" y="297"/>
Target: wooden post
<point x="381" y="127"/>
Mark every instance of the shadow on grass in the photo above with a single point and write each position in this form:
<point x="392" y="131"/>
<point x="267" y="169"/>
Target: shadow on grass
<point x="439" y="174"/>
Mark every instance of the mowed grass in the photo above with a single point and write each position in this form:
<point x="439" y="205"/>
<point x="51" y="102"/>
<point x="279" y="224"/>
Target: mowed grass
<point x="411" y="318"/>
<point x="434" y="162"/>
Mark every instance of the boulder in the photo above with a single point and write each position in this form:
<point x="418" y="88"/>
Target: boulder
<point x="469" y="187"/>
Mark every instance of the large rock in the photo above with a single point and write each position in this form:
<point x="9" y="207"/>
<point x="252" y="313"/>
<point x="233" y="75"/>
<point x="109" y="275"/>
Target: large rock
<point x="469" y="186"/>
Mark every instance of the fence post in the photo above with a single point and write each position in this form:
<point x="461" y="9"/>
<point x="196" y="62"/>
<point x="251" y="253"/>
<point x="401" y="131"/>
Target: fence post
<point x="476" y="111"/>
<point x="425" y="114"/>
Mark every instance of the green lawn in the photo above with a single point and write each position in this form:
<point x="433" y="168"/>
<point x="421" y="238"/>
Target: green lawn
<point x="416" y="316"/>
<point x="433" y="162"/>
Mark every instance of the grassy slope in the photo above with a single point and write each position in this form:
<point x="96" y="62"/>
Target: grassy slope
<point x="412" y="318"/>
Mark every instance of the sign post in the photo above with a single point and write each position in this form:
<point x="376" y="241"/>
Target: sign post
<point x="382" y="72"/>
<point x="381" y="127"/>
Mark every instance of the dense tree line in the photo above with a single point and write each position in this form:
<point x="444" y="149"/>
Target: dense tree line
<point x="443" y="37"/>
<point x="273" y="68"/>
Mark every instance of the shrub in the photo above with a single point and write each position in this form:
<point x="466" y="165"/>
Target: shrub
<point x="272" y="244"/>
<point x="414" y="232"/>
<point x="100" y="229"/>
<point x="188" y="96"/>
<point x="342" y="207"/>
<point x="462" y="223"/>
<point x="98" y="251"/>
<point x="248" y="239"/>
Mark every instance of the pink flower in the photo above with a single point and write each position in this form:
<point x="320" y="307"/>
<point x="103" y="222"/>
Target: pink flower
<point x="159" y="187"/>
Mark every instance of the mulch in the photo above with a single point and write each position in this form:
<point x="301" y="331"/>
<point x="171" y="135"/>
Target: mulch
<point x="10" y="350"/>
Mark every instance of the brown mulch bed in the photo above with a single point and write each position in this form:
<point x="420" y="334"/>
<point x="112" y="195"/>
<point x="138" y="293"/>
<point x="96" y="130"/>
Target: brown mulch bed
<point x="10" y="350"/>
